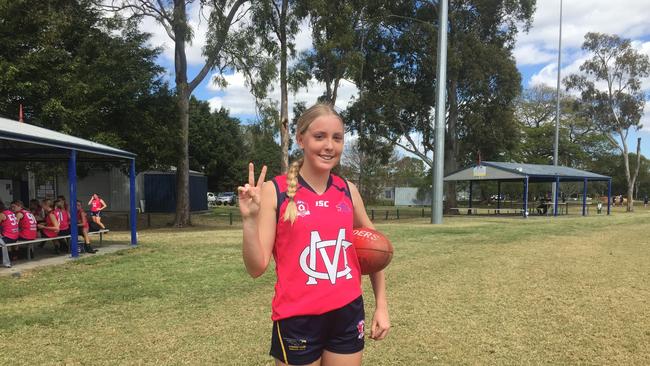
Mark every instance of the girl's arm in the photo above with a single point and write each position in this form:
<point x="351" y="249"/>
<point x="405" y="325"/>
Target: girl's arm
<point x="84" y="219"/>
<point x="257" y="205"/>
<point x="380" y="320"/>
<point x="55" y="223"/>
<point x="104" y="205"/>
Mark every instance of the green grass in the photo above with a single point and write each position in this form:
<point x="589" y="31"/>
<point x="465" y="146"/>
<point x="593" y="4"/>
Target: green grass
<point x="475" y="290"/>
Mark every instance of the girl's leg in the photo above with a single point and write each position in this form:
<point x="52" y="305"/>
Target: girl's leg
<point x="315" y="363"/>
<point x="99" y="222"/>
<point x="339" y="359"/>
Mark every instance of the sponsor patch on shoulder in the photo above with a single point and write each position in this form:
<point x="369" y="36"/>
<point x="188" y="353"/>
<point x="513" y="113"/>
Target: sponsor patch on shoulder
<point x="343" y="207"/>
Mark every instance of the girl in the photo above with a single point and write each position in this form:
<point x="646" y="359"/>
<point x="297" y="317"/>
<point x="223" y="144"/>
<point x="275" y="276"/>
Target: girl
<point x="50" y="229"/>
<point x="63" y="216"/>
<point x="82" y="222"/>
<point x="8" y="230"/>
<point x="305" y="220"/>
<point x="96" y="206"/>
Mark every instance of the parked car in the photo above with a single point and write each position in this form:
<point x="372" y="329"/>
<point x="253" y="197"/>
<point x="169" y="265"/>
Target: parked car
<point x="226" y="198"/>
<point x="212" y="199"/>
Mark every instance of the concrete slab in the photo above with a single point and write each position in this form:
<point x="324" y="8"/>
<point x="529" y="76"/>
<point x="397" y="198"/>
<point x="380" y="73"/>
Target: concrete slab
<point x="46" y="257"/>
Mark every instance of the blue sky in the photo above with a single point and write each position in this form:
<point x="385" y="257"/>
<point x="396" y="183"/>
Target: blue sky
<point x="535" y="52"/>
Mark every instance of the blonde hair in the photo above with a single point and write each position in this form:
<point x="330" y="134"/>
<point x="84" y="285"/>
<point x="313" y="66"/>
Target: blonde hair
<point x="305" y="120"/>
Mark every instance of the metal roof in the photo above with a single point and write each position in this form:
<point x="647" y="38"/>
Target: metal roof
<point x="518" y="171"/>
<point x="21" y="142"/>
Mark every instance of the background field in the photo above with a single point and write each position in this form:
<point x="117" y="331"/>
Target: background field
<point x="475" y="291"/>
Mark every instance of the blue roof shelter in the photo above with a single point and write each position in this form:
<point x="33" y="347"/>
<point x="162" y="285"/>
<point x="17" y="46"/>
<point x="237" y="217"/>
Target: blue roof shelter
<point x="530" y="173"/>
<point x="24" y="142"/>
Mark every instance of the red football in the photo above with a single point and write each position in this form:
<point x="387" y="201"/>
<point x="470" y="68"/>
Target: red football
<point x="374" y="250"/>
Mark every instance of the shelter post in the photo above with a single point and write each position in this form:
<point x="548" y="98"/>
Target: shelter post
<point x="499" y="197"/>
<point x="584" y="198"/>
<point x="72" y="181"/>
<point x="557" y="194"/>
<point x="471" y="185"/>
<point x="609" y="195"/>
<point x="525" y="213"/>
<point x="134" y="235"/>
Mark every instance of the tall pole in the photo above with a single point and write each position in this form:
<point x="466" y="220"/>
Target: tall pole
<point x="439" y="136"/>
<point x="557" y="103"/>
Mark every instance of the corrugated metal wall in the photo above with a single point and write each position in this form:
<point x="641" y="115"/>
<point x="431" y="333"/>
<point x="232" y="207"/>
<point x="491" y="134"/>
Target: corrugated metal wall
<point x="158" y="190"/>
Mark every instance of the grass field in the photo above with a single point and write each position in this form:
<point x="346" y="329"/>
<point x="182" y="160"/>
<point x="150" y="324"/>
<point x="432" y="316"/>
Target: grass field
<point x="473" y="291"/>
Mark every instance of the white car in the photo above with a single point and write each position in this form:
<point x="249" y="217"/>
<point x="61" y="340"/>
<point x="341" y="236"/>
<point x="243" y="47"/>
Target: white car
<point x="226" y="198"/>
<point x="212" y="199"/>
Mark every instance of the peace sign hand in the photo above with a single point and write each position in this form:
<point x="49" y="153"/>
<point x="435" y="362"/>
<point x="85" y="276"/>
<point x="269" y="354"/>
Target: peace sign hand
<point x="249" y="194"/>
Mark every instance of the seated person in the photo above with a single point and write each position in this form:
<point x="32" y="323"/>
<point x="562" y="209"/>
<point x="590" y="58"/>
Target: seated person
<point x="8" y="230"/>
<point x="50" y="228"/>
<point x="26" y="222"/>
<point x="82" y="222"/>
<point x="542" y="208"/>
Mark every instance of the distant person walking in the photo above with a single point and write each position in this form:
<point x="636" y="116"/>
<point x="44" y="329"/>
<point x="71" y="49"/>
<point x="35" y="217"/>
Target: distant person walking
<point x="96" y="206"/>
<point x="645" y="201"/>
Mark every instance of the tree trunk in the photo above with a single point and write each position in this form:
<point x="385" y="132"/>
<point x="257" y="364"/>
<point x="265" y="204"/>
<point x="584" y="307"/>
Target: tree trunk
<point x="183" y="93"/>
<point x="183" y="169"/>
<point x="284" y="94"/>
<point x="632" y="180"/>
<point x="451" y="145"/>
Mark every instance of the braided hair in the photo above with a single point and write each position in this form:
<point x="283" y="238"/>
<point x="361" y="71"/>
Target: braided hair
<point x="308" y="116"/>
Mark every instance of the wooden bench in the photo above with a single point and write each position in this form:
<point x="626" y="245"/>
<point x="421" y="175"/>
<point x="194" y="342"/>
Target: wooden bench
<point x="6" y="261"/>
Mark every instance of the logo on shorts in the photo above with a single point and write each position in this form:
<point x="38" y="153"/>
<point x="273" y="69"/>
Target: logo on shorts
<point x="360" y="328"/>
<point x="303" y="208"/>
<point x="318" y="246"/>
<point x="296" y="344"/>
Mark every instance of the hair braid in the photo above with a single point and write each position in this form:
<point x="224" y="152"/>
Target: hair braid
<point x="292" y="185"/>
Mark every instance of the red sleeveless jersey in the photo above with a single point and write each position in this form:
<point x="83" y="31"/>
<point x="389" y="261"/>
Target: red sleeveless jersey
<point x="48" y="222"/>
<point x="95" y="205"/>
<point x="27" y="225"/>
<point x="64" y="219"/>
<point x="9" y="225"/>
<point x="82" y="218"/>
<point x="316" y="265"/>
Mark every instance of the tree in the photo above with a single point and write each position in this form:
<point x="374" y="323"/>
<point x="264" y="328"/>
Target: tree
<point x="86" y="76"/>
<point x="337" y="35"/>
<point x="216" y="147"/>
<point x="277" y="24"/>
<point x="259" y="141"/>
<point x="617" y="106"/>
<point x="227" y="47"/>
<point x="482" y="79"/>
<point x="370" y="172"/>
<point x="535" y="111"/>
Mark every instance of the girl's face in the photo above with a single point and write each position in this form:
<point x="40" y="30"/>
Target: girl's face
<point x="79" y="206"/>
<point x="322" y="143"/>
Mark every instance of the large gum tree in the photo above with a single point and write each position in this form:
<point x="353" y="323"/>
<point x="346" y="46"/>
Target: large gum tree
<point x="230" y="44"/>
<point x="611" y="96"/>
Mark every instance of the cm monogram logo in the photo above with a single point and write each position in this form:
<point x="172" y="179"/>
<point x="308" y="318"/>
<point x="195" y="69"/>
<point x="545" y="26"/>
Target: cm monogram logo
<point x="318" y="246"/>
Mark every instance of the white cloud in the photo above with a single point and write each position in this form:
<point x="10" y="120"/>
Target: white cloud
<point x="627" y="18"/>
<point x="237" y="98"/>
<point x="193" y="50"/>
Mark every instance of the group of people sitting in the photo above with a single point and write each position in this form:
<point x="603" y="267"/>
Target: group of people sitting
<point x="49" y="219"/>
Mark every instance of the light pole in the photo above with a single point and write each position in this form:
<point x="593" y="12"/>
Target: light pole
<point x="557" y="109"/>
<point x="441" y="108"/>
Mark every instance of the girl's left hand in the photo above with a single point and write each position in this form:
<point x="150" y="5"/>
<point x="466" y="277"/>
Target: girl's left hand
<point x="380" y="324"/>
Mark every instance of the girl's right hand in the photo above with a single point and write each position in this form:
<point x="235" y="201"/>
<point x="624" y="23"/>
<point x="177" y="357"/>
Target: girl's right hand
<point x="249" y="194"/>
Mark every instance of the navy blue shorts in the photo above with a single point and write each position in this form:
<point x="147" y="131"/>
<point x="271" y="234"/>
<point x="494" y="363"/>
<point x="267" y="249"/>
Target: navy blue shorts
<point x="301" y="340"/>
<point x="95" y="213"/>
